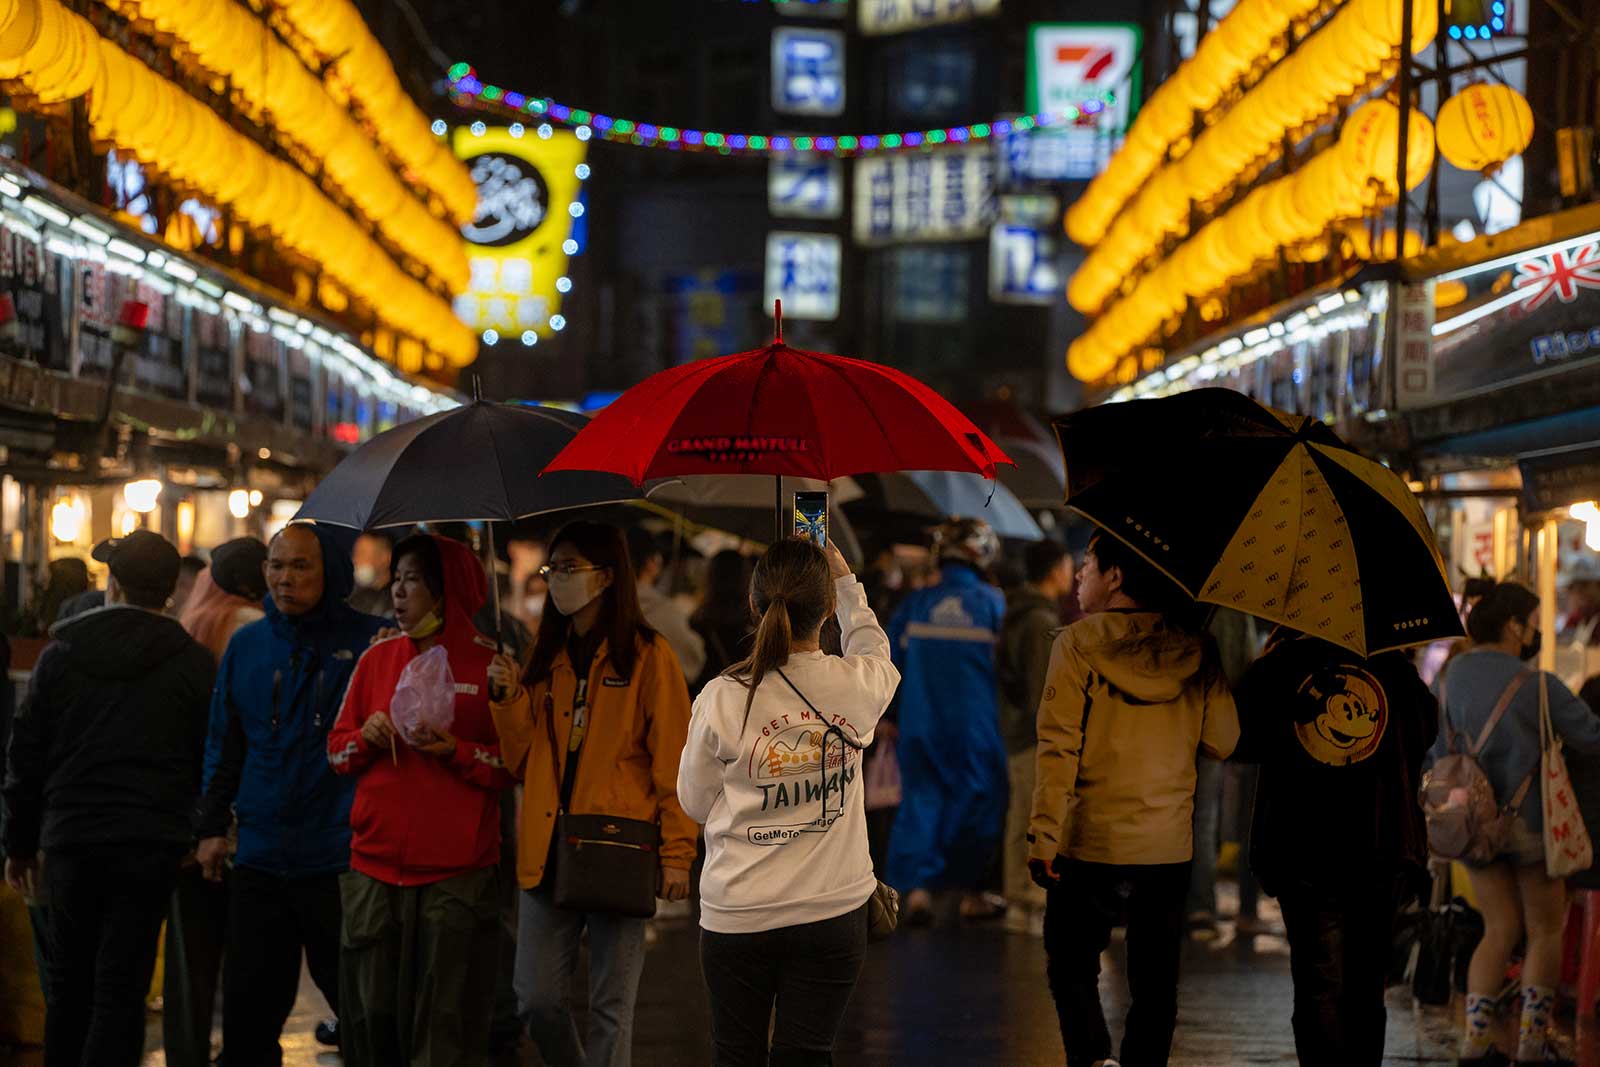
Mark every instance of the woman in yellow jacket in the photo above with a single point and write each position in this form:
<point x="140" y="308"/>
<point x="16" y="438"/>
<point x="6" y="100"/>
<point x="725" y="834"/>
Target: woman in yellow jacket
<point x="602" y="713"/>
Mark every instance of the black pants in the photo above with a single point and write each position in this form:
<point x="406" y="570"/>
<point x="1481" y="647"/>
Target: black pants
<point x="808" y="970"/>
<point x="271" y="920"/>
<point x="197" y="929"/>
<point x="1339" y="943"/>
<point x="1080" y="912"/>
<point x="105" y="912"/>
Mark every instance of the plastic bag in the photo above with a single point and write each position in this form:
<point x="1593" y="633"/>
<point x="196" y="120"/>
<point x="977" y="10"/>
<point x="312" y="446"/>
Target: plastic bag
<point x="425" y="697"/>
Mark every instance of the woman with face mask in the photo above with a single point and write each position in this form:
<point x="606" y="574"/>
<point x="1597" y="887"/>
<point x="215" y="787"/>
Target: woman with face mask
<point x="421" y="902"/>
<point x="594" y="726"/>
<point x="1513" y="891"/>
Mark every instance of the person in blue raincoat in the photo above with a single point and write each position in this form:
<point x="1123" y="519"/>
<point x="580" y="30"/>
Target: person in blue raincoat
<point x="952" y="758"/>
<point x="278" y="692"/>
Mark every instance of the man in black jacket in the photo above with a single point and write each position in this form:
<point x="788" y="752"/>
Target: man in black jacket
<point x="102" y="774"/>
<point x="1338" y="835"/>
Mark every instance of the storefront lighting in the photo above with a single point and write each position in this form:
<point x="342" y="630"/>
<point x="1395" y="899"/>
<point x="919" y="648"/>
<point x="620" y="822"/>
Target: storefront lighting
<point x="288" y="318"/>
<point x="62" y="247"/>
<point x="185" y="524"/>
<point x="122" y="248"/>
<point x="142" y="495"/>
<point x="303" y="328"/>
<point x="263" y="453"/>
<point x="238" y="301"/>
<point x="86" y="229"/>
<point x="130" y="523"/>
<point x="1230" y="346"/>
<point x="1467" y="318"/>
<point x="46" y="210"/>
<point x="67" y="518"/>
<point x="1330" y="303"/>
<point x="239" y="504"/>
<point x="1275" y="329"/>
<point x="255" y="498"/>
<point x="155" y="260"/>
<point x="530" y="338"/>
<point x="209" y="288"/>
<point x="10" y="188"/>
<point x="1256" y="336"/>
<point x="181" y="271"/>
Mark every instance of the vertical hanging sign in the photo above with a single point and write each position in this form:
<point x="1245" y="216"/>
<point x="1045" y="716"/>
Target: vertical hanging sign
<point x="517" y="241"/>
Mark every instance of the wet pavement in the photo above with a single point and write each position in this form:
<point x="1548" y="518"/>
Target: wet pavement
<point x="975" y="994"/>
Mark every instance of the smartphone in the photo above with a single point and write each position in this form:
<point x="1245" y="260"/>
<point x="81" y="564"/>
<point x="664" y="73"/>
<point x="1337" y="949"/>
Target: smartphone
<point x="811" y="517"/>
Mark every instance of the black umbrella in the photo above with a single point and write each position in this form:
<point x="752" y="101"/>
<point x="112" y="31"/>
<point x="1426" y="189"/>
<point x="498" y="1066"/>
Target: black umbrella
<point x="1263" y="511"/>
<point x="475" y="463"/>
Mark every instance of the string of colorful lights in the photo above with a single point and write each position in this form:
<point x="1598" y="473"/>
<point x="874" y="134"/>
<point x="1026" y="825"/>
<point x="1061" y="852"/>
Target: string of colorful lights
<point x="469" y="90"/>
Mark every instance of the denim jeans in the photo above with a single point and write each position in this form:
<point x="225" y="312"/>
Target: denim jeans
<point x="808" y="971"/>
<point x="548" y="939"/>
<point x="1080" y="912"/>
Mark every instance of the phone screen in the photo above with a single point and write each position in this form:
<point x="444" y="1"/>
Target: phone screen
<point x="811" y="517"/>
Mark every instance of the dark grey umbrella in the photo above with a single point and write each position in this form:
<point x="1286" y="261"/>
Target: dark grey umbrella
<point x="475" y="463"/>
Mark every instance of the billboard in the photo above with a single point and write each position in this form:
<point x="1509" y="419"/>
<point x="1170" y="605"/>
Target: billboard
<point x="931" y="196"/>
<point x="1088" y="72"/>
<point x="807" y="71"/>
<point x="803" y="272"/>
<point x="527" y="200"/>
<point x="897" y="16"/>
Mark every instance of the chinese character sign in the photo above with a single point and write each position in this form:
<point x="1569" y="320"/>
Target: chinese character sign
<point x="803" y="272"/>
<point x="1022" y="252"/>
<point x="948" y="195"/>
<point x="527" y="187"/>
<point x="1413" y="371"/>
<point x="897" y="16"/>
<point x="807" y="71"/>
<point x="805" y="187"/>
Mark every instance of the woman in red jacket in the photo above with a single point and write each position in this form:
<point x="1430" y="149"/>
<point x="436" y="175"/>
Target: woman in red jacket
<point x="417" y="966"/>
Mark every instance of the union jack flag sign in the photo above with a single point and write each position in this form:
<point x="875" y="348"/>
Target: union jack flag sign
<point x="1559" y="275"/>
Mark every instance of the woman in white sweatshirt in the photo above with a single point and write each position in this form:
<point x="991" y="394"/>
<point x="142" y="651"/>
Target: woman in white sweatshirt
<point x="770" y="770"/>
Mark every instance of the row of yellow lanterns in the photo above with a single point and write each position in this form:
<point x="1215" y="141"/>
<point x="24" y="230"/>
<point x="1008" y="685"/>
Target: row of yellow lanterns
<point x="1340" y="183"/>
<point x="1336" y="62"/>
<point x="55" y="55"/>
<point x="228" y="41"/>
<point x="359" y="67"/>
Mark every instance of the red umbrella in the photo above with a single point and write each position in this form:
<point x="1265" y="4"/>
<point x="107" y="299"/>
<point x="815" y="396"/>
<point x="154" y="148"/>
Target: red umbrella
<point x="781" y="411"/>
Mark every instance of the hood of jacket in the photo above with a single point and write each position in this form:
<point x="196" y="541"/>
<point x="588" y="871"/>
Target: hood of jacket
<point x="120" y="641"/>
<point x="466" y="588"/>
<point x="1139" y="654"/>
<point x="332" y="618"/>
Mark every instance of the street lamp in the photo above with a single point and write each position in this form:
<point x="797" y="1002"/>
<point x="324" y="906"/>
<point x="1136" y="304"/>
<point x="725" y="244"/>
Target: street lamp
<point x="141" y="495"/>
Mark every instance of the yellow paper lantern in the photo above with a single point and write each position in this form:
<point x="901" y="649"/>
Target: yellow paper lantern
<point x="1484" y="125"/>
<point x="1370" y="143"/>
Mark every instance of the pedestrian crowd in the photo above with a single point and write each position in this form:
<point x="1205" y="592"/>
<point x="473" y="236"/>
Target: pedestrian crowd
<point x="293" y="756"/>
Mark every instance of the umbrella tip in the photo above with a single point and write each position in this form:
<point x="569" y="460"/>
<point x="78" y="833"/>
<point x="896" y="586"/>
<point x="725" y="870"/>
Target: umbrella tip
<point x="477" y="390"/>
<point x="777" y="322"/>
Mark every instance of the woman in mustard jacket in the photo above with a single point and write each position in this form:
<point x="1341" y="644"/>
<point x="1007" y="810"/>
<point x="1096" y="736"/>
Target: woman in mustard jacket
<point x="609" y="692"/>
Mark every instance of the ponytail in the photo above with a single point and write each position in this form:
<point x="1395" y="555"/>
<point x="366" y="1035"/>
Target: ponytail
<point x="791" y="592"/>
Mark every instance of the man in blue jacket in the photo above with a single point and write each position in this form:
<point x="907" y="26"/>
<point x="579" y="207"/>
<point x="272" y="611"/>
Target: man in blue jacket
<point x="952" y="759"/>
<point x="278" y="692"/>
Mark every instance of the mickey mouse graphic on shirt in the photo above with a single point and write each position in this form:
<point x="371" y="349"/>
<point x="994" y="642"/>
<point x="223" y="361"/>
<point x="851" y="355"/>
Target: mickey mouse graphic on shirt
<point x="1341" y="713"/>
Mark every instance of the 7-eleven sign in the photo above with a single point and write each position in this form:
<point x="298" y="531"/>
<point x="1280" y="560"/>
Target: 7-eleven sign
<point x="1090" y="67"/>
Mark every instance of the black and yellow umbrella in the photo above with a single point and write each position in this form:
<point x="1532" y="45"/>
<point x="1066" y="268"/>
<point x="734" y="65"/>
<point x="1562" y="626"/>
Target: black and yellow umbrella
<point x="1265" y="512"/>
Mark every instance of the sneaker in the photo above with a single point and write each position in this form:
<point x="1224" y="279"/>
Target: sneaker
<point x="1492" y="1058"/>
<point x="327" y="1033"/>
<point x="1202" y="926"/>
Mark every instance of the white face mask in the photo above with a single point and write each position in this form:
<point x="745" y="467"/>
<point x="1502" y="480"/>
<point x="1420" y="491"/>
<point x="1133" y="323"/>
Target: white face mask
<point x="571" y="593"/>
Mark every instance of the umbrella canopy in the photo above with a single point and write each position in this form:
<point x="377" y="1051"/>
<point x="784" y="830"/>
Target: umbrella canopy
<point x="478" y="462"/>
<point x="779" y="411"/>
<point x="743" y="491"/>
<point x="1263" y="511"/>
<point x="1039" y="479"/>
<point x="943" y="494"/>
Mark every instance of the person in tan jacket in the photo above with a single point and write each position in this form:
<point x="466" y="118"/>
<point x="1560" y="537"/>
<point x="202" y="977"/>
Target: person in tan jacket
<point x="595" y="725"/>
<point x="1129" y="699"/>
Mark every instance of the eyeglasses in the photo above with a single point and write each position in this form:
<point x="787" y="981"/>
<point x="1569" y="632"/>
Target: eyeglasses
<point x="566" y="569"/>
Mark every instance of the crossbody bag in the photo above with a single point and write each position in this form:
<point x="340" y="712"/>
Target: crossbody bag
<point x="883" y="907"/>
<point x="603" y="863"/>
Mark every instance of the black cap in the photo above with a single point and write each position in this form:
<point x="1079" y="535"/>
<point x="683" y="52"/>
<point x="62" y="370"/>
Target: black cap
<point x="143" y="562"/>
<point x="236" y="567"/>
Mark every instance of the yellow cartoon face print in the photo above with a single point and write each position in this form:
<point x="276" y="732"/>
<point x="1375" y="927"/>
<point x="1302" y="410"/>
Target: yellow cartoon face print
<point x="1342" y="716"/>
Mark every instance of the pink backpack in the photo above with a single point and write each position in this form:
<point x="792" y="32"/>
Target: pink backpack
<point x="1465" y="821"/>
